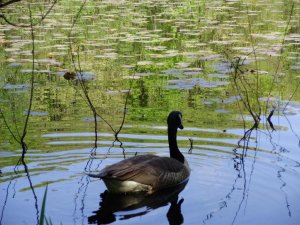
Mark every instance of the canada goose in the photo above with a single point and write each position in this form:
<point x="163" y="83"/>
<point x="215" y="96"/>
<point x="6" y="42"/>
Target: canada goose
<point x="149" y="173"/>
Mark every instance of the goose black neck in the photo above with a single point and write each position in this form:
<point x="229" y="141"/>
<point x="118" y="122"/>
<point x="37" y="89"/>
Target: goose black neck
<point x="174" y="151"/>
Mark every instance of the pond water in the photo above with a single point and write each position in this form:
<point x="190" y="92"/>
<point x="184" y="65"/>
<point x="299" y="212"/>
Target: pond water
<point x="94" y="69"/>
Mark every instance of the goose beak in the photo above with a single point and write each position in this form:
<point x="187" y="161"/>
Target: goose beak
<point x="180" y="126"/>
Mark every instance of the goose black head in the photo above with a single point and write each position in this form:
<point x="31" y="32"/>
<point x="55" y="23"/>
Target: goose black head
<point x="175" y="119"/>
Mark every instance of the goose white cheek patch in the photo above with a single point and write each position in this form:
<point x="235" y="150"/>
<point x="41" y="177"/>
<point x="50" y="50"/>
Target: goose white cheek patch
<point x="180" y="119"/>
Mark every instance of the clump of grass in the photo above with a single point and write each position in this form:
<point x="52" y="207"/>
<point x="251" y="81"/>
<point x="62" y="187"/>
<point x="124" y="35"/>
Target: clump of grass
<point x="43" y="217"/>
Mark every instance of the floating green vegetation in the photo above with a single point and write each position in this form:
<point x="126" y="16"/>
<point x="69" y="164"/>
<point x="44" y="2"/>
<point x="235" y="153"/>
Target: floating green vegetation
<point x="204" y="58"/>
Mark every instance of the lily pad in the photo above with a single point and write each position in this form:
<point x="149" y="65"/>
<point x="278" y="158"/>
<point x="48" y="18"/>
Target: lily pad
<point x="16" y="86"/>
<point x="35" y="113"/>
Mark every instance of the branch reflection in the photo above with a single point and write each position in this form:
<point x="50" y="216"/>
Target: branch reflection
<point x="33" y="192"/>
<point x="240" y="153"/>
<point x="128" y="205"/>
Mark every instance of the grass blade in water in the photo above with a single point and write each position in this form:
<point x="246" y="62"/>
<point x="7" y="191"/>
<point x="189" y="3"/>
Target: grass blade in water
<point x="43" y="207"/>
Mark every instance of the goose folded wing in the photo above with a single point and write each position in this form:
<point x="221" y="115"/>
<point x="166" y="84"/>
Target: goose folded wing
<point x="149" y="170"/>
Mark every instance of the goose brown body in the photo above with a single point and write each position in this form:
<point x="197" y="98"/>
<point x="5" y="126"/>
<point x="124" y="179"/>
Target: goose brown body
<point x="149" y="173"/>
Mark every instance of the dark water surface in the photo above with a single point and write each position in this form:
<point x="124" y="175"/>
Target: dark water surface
<point x="231" y="67"/>
<point x="223" y="187"/>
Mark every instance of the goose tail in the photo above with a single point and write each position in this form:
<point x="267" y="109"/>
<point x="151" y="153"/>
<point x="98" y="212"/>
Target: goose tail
<point x="93" y="175"/>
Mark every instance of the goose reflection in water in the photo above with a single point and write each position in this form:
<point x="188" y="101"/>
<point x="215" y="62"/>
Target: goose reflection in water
<point x="111" y="203"/>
